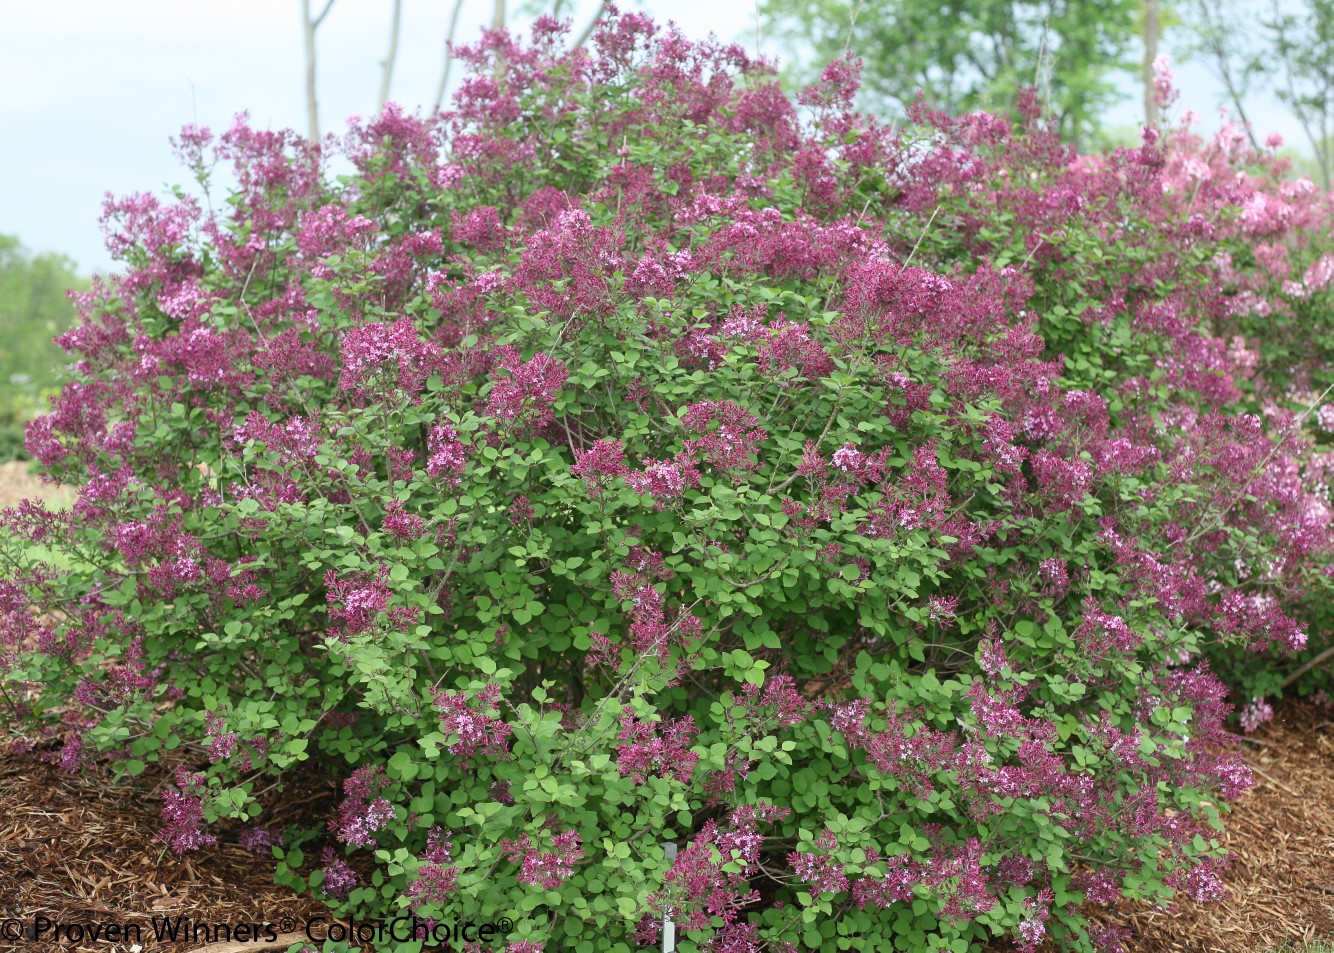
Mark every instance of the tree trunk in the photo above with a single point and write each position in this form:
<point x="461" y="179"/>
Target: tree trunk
<point x="592" y="24"/>
<point x="393" y="53"/>
<point x="498" y="23"/>
<point x="309" y="26"/>
<point x="312" y="105"/>
<point x="1152" y="29"/>
<point x="449" y="53"/>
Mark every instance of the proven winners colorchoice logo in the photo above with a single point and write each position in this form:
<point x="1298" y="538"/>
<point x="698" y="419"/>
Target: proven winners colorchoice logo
<point x="435" y="935"/>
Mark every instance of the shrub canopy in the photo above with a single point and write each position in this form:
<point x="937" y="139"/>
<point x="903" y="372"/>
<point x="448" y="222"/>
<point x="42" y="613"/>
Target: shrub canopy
<point x="635" y="455"/>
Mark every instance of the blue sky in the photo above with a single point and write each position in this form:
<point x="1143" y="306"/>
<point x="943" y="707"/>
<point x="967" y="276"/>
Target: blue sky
<point x="91" y="91"/>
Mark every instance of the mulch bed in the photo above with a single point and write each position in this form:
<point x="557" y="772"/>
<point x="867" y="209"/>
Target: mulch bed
<point x="82" y="850"/>
<point x="1280" y="887"/>
<point x="17" y="482"/>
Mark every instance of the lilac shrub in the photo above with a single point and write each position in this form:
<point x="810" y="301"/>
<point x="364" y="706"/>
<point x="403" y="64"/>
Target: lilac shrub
<point x="634" y="455"/>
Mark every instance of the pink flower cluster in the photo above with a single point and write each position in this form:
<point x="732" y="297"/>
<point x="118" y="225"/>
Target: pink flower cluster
<point x="525" y="396"/>
<point x="665" y="480"/>
<point x="374" y="346"/>
<point x="361" y="813"/>
<point x="731" y="435"/>
<point x="603" y="461"/>
<point x="818" y="868"/>
<point x="471" y="722"/>
<point x="357" y="602"/>
<point x="258" y="838"/>
<point x="437" y="876"/>
<point x="653" y="629"/>
<point x="710" y="876"/>
<point x="547" y="869"/>
<point x="448" y="454"/>
<point x="339" y="877"/>
<point x="183" y="813"/>
<point x="1256" y="712"/>
<point x="648" y="749"/>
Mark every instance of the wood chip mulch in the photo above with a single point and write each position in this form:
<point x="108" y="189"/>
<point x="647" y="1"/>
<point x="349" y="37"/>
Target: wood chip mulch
<point x="1280" y="888"/>
<point x="82" y="850"/>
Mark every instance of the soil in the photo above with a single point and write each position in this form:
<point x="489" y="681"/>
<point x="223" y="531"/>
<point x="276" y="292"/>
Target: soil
<point x="18" y="483"/>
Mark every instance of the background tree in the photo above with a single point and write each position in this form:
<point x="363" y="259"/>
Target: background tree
<point x="396" y="22"/>
<point x="969" y="54"/>
<point x="1303" y="66"/>
<point x="309" y="25"/>
<point x="33" y="309"/>
<point x="1153" y="25"/>
<point x="1223" y="34"/>
<point x="1288" y="46"/>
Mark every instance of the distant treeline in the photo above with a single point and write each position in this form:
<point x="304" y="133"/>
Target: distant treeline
<point x="34" y="308"/>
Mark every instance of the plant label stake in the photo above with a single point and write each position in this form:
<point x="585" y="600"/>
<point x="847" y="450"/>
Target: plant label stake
<point x="668" y="927"/>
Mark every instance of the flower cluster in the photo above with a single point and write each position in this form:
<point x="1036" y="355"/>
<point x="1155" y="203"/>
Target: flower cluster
<point x="545" y="868"/>
<point x="1255" y="713"/>
<point x="525" y="395"/>
<point x="183" y="813"/>
<point x="257" y="838"/>
<point x="709" y="876"/>
<point x="665" y="480"/>
<point x="362" y="813"/>
<point x="648" y="750"/>
<point x="470" y="722"/>
<point x="604" y="459"/>
<point x="437" y="876"/>
<point x="339" y="877"/>
<point x="357" y="602"/>
<point x="731" y="436"/>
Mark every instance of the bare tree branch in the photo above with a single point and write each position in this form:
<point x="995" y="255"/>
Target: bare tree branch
<point x="323" y="13"/>
<point x="309" y="26"/>
<point x="592" y="25"/>
<point x="449" y="53"/>
<point x="852" y="25"/>
<point x="1324" y="656"/>
<point x="393" y="53"/>
<point x="1307" y="55"/>
<point x="1218" y="39"/>
<point x="1152" y="27"/>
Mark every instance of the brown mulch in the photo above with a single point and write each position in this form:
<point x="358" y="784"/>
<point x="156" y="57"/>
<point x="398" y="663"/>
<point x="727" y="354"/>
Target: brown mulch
<point x="82" y="850"/>
<point x="1280" y="887"/>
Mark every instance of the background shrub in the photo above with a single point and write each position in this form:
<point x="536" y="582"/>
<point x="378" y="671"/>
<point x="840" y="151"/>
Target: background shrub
<point x="634" y="455"/>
